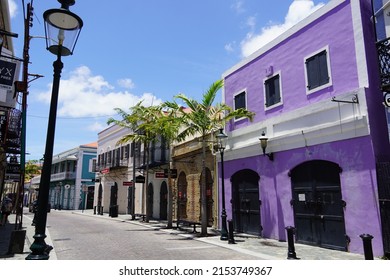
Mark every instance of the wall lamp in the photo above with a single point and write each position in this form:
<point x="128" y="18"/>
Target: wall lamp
<point x="263" y="143"/>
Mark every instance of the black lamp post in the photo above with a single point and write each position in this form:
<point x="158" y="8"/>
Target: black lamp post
<point x="222" y="138"/>
<point x="62" y="29"/>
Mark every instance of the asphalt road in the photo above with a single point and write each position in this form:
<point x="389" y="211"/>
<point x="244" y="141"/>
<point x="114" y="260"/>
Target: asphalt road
<point x="81" y="237"/>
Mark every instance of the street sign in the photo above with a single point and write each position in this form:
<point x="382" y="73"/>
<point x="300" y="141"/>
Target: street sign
<point x="173" y="173"/>
<point x="164" y="174"/>
<point x="13" y="168"/>
<point x="105" y="171"/>
<point x="128" y="184"/>
<point x="159" y="175"/>
<point x="140" y="179"/>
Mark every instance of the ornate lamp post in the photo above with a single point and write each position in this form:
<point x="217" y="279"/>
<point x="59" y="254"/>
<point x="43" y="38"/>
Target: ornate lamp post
<point x="62" y="29"/>
<point x="222" y="139"/>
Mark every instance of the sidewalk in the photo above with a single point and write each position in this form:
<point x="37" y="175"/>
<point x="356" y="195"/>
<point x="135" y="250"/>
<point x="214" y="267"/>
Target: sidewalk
<point x="262" y="248"/>
<point x="5" y="238"/>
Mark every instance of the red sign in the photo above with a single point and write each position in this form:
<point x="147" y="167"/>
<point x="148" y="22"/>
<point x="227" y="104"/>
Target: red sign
<point x="159" y="175"/>
<point x="128" y="184"/>
<point x="105" y="171"/>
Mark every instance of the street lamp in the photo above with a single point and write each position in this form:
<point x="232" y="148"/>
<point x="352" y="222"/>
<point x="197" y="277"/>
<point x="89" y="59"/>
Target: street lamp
<point x="221" y="144"/>
<point x="62" y="29"/>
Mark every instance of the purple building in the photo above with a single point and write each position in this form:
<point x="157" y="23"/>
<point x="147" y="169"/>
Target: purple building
<point x="316" y="94"/>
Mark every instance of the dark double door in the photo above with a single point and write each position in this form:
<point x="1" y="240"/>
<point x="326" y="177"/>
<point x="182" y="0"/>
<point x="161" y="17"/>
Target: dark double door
<point x="318" y="205"/>
<point x="246" y="202"/>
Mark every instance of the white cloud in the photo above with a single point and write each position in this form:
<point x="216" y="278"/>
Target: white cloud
<point x="97" y="127"/>
<point x="13" y="8"/>
<point x="298" y="10"/>
<point x="229" y="47"/>
<point x="126" y="83"/>
<point x="238" y="6"/>
<point x="251" y="22"/>
<point x="86" y="95"/>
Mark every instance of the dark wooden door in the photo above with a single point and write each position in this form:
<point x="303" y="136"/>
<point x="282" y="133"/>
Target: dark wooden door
<point x="246" y="202"/>
<point x="318" y="205"/>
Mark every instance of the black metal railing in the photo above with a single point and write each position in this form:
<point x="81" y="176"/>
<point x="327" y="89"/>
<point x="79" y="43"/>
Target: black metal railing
<point x="383" y="48"/>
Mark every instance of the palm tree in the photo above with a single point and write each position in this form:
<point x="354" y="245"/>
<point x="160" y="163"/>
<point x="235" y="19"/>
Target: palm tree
<point x="203" y="119"/>
<point x="168" y="126"/>
<point x="142" y="122"/>
<point x="32" y="169"/>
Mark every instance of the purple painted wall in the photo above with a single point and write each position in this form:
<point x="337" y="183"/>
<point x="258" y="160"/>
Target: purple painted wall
<point x="333" y="30"/>
<point x="358" y="185"/>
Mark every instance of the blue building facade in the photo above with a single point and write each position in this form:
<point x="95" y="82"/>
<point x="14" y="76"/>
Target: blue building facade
<point x="72" y="180"/>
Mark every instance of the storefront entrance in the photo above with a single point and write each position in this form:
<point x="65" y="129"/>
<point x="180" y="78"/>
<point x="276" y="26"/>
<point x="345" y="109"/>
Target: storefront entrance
<point x="318" y="205"/>
<point x="246" y="202"/>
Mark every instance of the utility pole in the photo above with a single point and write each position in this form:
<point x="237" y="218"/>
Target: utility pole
<point x="18" y="235"/>
<point x="23" y="88"/>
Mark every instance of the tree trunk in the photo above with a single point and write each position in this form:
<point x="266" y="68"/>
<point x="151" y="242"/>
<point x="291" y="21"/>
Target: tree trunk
<point x="170" y="197"/>
<point x="203" y="190"/>
<point x="147" y="210"/>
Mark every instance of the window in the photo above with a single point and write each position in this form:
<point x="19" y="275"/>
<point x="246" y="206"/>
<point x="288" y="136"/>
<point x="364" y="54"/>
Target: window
<point x="240" y="101"/>
<point x="272" y="91"/>
<point x="92" y="165"/>
<point x="317" y="71"/>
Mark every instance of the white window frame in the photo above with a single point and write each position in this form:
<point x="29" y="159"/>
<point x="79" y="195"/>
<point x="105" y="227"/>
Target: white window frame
<point x="330" y="83"/>
<point x="280" y="91"/>
<point x="246" y="102"/>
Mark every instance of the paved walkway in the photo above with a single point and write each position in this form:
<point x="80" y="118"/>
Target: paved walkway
<point x="268" y="249"/>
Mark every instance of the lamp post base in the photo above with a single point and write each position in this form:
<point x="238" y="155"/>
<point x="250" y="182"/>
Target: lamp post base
<point x="39" y="249"/>
<point x="224" y="232"/>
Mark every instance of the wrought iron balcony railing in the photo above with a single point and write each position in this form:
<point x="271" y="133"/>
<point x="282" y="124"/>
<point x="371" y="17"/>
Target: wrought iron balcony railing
<point x="383" y="48"/>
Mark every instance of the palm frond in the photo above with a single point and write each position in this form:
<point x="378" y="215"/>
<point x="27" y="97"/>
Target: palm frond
<point x="211" y="93"/>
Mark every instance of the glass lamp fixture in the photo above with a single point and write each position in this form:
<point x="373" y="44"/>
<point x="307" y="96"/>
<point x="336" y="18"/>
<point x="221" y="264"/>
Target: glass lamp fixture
<point x="263" y="144"/>
<point x="62" y="29"/>
<point x="222" y="139"/>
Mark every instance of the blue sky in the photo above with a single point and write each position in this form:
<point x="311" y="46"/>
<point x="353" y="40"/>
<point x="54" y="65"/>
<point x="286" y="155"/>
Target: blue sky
<point x="147" y="50"/>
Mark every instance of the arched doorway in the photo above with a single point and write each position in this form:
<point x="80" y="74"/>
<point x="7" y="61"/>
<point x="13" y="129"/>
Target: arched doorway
<point x="209" y="196"/>
<point x="90" y="196"/>
<point x="318" y="204"/>
<point x="150" y="195"/>
<point x="163" y="201"/>
<point x="246" y="202"/>
<point x="182" y="196"/>
<point x="113" y="210"/>
<point x="99" y="202"/>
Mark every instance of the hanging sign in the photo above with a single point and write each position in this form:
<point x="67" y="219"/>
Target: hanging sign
<point x="128" y="183"/>
<point x="9" y="72"/>
<point x="3" y="125"/>
<point x="140" y="179"/>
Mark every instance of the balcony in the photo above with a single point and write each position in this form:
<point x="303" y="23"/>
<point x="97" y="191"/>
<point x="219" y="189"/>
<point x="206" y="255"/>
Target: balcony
<point x="55" y="177"/>
<point x="63" y="176"/>
<point x="383" y="48"/>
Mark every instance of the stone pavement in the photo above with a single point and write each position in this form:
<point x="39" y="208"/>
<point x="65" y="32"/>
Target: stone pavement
<point x="262" y="248"/>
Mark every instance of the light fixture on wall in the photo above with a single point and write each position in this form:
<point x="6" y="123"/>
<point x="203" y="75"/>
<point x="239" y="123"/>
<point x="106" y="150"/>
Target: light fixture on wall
<point x="264" y="143"/>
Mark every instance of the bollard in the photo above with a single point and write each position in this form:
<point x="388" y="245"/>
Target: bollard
<point x="290" y="239"/>
<point x="368" y="254"/>
<point x="94" y="210"/>
<point x="231" y="234"/>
